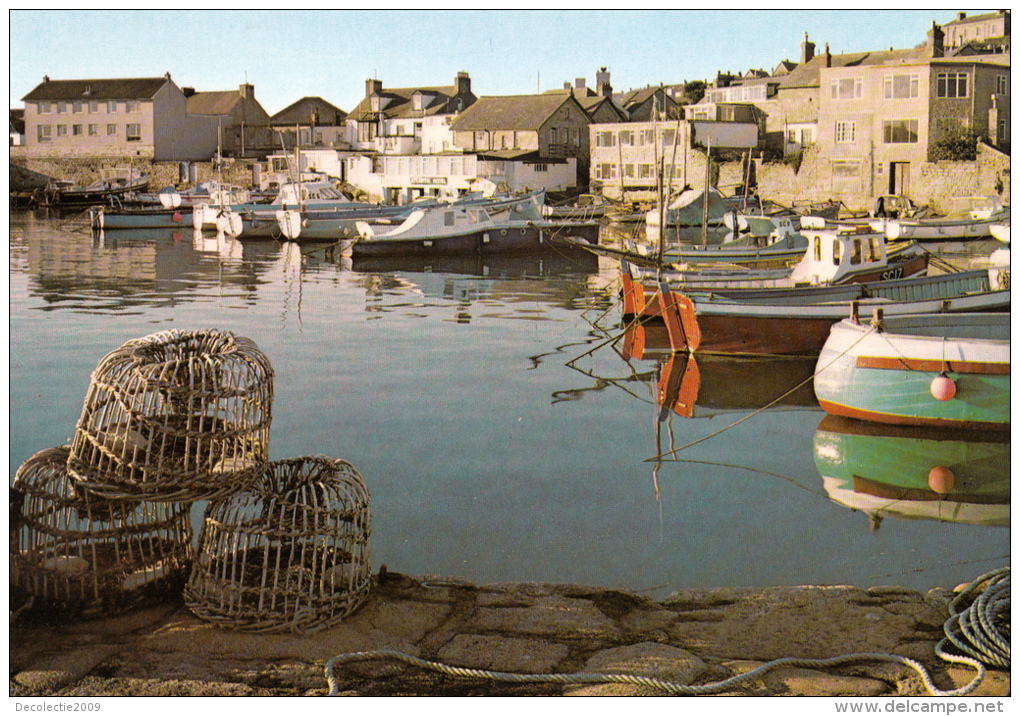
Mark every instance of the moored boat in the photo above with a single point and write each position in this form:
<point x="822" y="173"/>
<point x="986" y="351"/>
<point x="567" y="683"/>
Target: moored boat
<point x="114" y="184"/>
<point x="971" y="218"/>
<point x="797" y="321"/>
<point x="929" y="370"/>
<point x="514" y="225"/>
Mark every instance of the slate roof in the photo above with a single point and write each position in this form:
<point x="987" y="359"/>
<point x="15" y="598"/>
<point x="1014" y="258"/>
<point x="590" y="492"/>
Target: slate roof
<point x="397" y="103"/>
<point x="807" y="74"/>
<point x="512" y="112"/>
<point x="973" y="18"/>
<point x="98" y="89"/>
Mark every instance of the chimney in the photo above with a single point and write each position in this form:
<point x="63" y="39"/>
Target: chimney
<point x="167" y="75"/>
<point x="567" y="85"/>
<point x="807" y="50"/>
<point x="247" y="90"/>
<point x="579" y="83"/>
<point x="372" y="87"/>
<point x="463" y="83"/>
<point x="936" y="37"/>
<point x="602" y="82"/>
<point x="187" y="91"/>
<point x="45" y="78"/>
<point x="828" y="56"/>
<point x="961" y="16"/>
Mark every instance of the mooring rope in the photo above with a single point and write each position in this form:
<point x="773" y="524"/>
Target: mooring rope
<point x="981" y="630"/>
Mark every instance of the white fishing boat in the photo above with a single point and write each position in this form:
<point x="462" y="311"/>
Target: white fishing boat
<point x="1000" y="231"/>
<point x="971" y="218"/>
<point x="251" y="221"/>
<point x="506" y="226"/>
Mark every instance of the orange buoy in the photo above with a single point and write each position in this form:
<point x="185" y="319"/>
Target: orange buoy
<point x="941" y="479"/>
<point x="943" y="387"/>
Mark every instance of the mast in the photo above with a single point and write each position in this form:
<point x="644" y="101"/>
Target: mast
<point x="708" y="177"/>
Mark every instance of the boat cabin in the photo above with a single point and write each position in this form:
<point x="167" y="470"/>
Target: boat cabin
<point x="835" y="253"/>
<point x="309" y="191"/>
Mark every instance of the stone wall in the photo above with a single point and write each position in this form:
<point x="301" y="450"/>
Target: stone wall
<point x="84" y="171"/>
<point x="931" y="183"/>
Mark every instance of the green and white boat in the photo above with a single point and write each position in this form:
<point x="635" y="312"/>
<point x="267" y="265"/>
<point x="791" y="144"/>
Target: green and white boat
<point x="936" y="370"/>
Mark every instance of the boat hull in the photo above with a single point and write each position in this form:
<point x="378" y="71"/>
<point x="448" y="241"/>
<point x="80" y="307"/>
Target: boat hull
<point x="887" y="377"/>
<point x="148" y="218"/>
<point x="499" y="239"/>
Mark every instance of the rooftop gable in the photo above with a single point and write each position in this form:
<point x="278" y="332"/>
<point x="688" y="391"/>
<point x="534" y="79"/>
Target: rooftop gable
<point x="397" y="103"/>
<point x="300" y="112"/>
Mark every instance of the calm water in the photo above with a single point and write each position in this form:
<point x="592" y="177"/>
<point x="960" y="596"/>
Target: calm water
<point x="497" y="444"/>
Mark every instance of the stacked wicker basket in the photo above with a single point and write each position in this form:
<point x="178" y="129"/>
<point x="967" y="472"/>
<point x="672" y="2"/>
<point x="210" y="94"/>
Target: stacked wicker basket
<point x="168" y="420"/>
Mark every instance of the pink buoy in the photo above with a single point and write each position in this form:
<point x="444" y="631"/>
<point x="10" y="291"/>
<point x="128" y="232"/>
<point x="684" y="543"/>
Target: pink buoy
<point x="177" y="216"/>
<point x="943" y="387"/>
<point x="941" y="479"/>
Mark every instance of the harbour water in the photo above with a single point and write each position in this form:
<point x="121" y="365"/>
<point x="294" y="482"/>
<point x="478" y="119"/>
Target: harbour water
<point x="502" y="434"/>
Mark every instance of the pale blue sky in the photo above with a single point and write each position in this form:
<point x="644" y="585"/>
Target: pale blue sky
<point x="287" y="55"/>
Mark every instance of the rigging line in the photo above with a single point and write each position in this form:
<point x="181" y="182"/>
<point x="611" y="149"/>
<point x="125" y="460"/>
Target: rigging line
<point x="754" y="469"/>
<point x="766" y="406"/>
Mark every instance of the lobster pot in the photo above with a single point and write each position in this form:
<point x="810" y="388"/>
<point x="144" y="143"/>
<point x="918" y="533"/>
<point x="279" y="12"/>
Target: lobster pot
<point x="290" y="554"/>
<point x="74" y="553"/>
<point x="175" y="416"/>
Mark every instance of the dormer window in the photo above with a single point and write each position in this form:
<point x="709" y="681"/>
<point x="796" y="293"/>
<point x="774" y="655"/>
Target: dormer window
<point x="374" y="103"/>
<point x="416" y="101"/>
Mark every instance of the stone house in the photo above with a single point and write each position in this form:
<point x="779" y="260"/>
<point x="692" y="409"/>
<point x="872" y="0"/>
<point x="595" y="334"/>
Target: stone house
<point x="979" y="29"/>
<point x="537" y="129"/>
<point x="241" y="120"/>
<point x="144" y="118"/>
<point x="647" y="104"/>
<point x="310" y="122"/>
<point x="391" y="121"/>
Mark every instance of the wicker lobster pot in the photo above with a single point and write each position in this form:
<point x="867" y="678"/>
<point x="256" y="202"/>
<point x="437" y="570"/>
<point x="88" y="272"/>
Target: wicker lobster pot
<point x="74" y="553"/>
<point x="291" y="553"/>
<point x="175" y="416"/>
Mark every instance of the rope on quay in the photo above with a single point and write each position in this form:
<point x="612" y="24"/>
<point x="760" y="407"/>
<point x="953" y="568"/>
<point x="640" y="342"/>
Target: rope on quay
<point x="981" y="630"/>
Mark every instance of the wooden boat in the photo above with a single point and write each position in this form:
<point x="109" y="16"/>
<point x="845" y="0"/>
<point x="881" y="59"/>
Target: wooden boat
<point x="971" y="218"/>
<point x="914" y="473"/>
<point x="797" y="321"/>
<point x="687" y="210"/>
<point x="114" y="184"/>
<point x="930" y="370"/>
<point x="833" y="257"/>
<point x="141" y="217"/>
<point x="505" y="227"/>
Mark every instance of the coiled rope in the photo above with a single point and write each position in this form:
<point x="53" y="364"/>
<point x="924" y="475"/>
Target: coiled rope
<point x="981" y="631"/>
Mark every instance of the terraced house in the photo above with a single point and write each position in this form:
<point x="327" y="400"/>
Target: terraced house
<point x="138" y="117"/>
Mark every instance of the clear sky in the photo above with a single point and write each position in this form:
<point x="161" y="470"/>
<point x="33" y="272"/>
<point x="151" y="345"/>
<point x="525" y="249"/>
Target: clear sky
<point x="287" y="55"/>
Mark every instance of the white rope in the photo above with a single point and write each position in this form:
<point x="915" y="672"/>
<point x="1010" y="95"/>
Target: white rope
<point x="980" y="624"/>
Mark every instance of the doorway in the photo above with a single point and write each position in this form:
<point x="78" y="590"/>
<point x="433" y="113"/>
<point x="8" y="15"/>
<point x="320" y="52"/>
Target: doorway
<point x="899" y="178"/>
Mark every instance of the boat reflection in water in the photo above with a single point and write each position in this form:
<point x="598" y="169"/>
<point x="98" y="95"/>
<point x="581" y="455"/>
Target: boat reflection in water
<point x="914" y="473"/>
<point x="550" y="262"/>
<point x="694" y="385"/>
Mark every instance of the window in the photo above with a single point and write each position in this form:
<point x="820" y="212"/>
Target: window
<point x="133" y="132"/>
<point x="605" y="171"/>
<point x="628" y="170"/>
<point x="951" y="84"/>
<point x="846" y="88"/>
<point x="667" y="137"/>
<point x="44" y="132"/>
<point x="577" y="137"/>
<point x="626" y="138"/>
<point x="76" y="107"/>
<point x="605" y="139"/>
<point x="645" y="171"/>
<point x="902" y="86"/>
<point x="45" y="107"/>
<point x="111" y="129"/>
<point x="132" y="105"/>
<point x="806" y="137"/>
<point x="541" y="167"/>
<point x="61" y="130"/>
<point x="899" y="131"/>
<point x="77" y="130"/>
<point x="61" y="107"/>
<point x="93" y="107"/>
<point x="846" y="132"/>
<point x="111" y="106"/>
<point x="93" y="130"/>
<point x="1001" y="84"/>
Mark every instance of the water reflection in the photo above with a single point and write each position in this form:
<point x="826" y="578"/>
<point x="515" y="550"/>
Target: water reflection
<point x="914" y="473"/>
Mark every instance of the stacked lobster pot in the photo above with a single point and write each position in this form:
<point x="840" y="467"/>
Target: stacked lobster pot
<point x="168" y="420"/>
